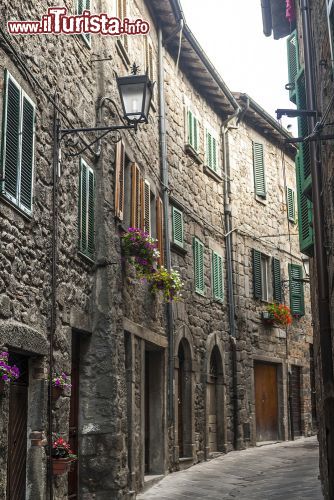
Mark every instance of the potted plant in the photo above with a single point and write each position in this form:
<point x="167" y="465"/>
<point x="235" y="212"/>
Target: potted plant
<point x="279" y="314"/>
<point x="169" y="282"/>
<point x="8" y="373"/>
<point x="61" y="456"/>
<point x="140" y="250"/>
<point x="59" y="383"/>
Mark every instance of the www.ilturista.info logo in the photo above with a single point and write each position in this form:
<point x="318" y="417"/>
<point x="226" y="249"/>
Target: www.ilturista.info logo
<point x="57" y="22"/>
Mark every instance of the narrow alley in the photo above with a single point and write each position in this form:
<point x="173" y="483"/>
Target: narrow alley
<point x="286" y="470"/>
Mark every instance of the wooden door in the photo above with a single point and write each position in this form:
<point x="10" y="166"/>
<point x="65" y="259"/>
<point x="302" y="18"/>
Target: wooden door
<point x="212" y="416"/>
<point x="266" y="402"/>
<point x="17" y="431"/>
<point x="74" y="417"/>
<point x="295" y="400"/>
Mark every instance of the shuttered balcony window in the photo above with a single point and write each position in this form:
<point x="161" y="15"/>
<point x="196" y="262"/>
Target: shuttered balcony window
<point x="217" y="277"/>
<point x="261" y="276"/>
<point x="86" y="210"/>
<point x="177" y="226"/>
<point x="259" y="172"/>
<point x="296" y="290"/>
<point x="17" y="151"/>
<point x="199" y="266"/>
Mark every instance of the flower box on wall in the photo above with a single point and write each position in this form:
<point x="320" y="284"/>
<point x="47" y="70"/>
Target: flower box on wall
<point x="61" y="466"/>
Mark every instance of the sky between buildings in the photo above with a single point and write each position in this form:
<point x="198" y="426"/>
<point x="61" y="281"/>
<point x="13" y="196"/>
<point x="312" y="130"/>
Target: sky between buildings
<point x="230" y="32"/>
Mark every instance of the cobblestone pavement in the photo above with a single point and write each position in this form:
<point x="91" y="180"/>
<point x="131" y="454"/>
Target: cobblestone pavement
<point x="287" y="470"/>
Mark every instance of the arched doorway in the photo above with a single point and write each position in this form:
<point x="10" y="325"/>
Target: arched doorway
<point x="215" y="403"/>
<point x="184" y="400"/>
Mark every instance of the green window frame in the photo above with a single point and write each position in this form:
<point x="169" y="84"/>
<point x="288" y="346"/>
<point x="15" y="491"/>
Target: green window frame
<point x="177" y="227"/>
<point x="297" y="305"/>
<point x="259" y="170"/>
<point x="17" y="145"/>
<point x="277" y="280"/>
<point x="86" y="210"/>
<point x="290" y="202"/>
<point x="211" y="151"/>
<point x="217" y="277"/>
<point x="305" y="215"/>
<point x="199" y="266"/>
<point x="192" y="130"/>
<point x="81" y="6"/>
<point x="293" y="64"/>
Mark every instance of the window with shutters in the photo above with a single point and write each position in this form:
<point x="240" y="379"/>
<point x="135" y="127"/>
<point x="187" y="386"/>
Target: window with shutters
<point x="120" y="180"/>
<point x="149" y="63"/>
<point x="177" y="226"/>
<point x="17" y="147"/>
<point x="259" y="170"/>
<point x="86" y="209"/>
<point x="192" y="128"/>
<point x="277" y="281"/>
<point x="304" y="147"/>
<point x="136" y="196"/>
<point x="146" y="207"/>
<point x="305" y="215"/>
<point x="123" y="41"/>
<point x="293" y="64"/>
<point x="83" y="5"/>
<point x="217" y="277"/>
<point x="211" y="151"/>
<point x="199" y="266"/>
<point x="261" y="276"/>
<point x="296" y="290"/>
<point x="290" y="202"/>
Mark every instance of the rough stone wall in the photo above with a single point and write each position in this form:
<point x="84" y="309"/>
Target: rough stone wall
<point x="263" y="225"/>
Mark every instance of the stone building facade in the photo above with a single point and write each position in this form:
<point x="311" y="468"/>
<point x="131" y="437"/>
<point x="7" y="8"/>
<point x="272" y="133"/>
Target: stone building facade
<point x="310" y="57"/>
<point x="155" y="386"/>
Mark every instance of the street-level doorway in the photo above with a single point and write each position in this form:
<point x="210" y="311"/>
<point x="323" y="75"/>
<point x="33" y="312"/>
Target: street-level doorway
<point x="296" y="400"/>
<point x="17" y="430"/>
<point x="74" y="416"/>
<point x="215" y="402"/>
<point x="266" y="401"/>
<point x="184" y="404"/>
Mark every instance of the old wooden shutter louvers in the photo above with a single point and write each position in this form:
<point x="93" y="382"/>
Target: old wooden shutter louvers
<point x="217" y="276"/>
<point x="296" y="290"/>
<point x="199" y="266"/>
<point x="177" y="226"/>
<point x="257" y="275"/>
<point x="259" y="173"/>
<point x="277" y="280"/>
<point x="119" y="180"/>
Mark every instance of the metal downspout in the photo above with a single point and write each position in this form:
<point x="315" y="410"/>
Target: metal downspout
<point x="165" y="199"/>
<point x="320" y="256"/>
<point x="229" y="270"/>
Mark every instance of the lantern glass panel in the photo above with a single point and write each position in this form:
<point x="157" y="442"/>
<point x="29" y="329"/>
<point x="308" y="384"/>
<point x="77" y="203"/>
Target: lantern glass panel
<point x="133" y="95"/>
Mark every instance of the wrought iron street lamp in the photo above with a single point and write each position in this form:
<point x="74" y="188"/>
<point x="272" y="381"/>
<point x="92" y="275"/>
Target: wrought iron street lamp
<point x="136" y="94"/>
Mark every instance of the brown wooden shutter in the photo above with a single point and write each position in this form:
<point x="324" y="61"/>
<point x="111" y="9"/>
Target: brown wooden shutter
<point x="136" y="190"/>
<point x="146" y="206"/>
<point x="119" y="180"/>
<point x="160" y="229"/>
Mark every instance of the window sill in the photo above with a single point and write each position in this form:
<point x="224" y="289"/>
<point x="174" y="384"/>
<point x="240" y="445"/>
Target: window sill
<point x="177" y="249"/>
<point x="189" y="150"/>
<point x="211" y="173"/>
<point x="261" y="199"/>
<point x="201" y="294"/>
<point x="12" y="204"/>
<point x="122" y="52"/>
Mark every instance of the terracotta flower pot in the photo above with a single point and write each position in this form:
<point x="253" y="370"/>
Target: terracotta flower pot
<point x="56" y="392"/>
<point x="60" y="466"/>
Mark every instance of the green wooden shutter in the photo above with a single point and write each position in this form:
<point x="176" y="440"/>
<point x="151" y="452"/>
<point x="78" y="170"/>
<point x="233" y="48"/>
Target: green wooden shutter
<point x="86" y="209"/>
<point x="296" y="290"/>
<point x="199" y="266"/>
<point x="208" y="149"/>
<point x="177" y="223"/>
<point x="11" y="139"/>
<point x="81" y="6"/>
<point x="277" y="280"/>
<point x="293" y="63"/>
<point x="190" y="128"/>
<point x="304" y="148"/>
<point x="217" y="276"/>
<point x="290" y="200"/>
<point x="196" y="131"/>
<point x="305" y="215"/>
<point x="27" y="154"/>
<point x="257" y="275"/>
<point x="214" y="155"/>
<point x="259" y="174"/>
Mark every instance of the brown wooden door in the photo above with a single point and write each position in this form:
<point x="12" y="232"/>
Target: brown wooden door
<point x="266" y="404"/>
<point x="74" y="417"/>
<point x="17" y="431"/>
<point x="295" y="400"/>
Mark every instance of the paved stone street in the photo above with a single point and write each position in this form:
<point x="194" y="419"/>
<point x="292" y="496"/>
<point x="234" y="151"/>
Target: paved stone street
<point x="286" y="470"/>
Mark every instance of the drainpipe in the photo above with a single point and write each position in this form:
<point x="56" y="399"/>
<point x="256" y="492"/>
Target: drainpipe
<point x="229" y="270"/>
<point x="320" y="255"/>
<point x="165" y="199"/>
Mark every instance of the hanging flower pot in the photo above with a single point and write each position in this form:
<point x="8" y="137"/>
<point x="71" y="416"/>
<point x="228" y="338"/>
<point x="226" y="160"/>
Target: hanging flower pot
<point x="60" y="382"/>
<point x="56" y="393"/>
<point x="8" y="373"/>
<point x="61" y="466"/>
<point x="168" y="282"/>
<point x="140" y="250"/>
<point x="278" y="314"/>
